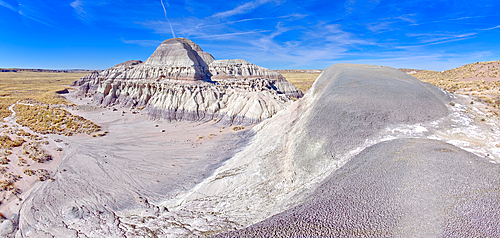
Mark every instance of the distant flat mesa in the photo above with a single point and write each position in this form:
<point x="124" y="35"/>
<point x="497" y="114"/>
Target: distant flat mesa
<point x="45" y="70"/>
<point x="179" y="81"/>
<point x="299" y="71"/>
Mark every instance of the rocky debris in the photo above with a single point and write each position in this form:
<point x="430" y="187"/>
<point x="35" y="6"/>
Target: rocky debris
<point x="181" y="82"/>
<point x="400" y="188"/>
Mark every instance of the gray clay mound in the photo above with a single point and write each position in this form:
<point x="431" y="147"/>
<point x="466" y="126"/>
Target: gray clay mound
<point x="348" y="108"/>
<point x="400" y="188"/>
<point x="353" y="102"/>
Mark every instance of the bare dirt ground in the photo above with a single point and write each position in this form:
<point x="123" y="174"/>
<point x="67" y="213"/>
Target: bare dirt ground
<point x="133" y="163"/>
<point x="27" y="157"/>
<point x="19" y="171"/>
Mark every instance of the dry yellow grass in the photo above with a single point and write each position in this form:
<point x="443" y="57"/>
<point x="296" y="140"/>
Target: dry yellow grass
<point x="480" y="80"/>
<point x="39" y="89"/>
<point x="301" y="80"/>
<point x="40" y="86"/>
<point x="238" y="128"/>
<point x="7" y="143"/>
<point x="34" y="151"/>
<point x="44" y="119"/>
<point x="487" y="71"/>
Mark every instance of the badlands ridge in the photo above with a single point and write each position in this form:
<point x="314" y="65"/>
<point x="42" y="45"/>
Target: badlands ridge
<point x="181" y="82"/>
<point x="368" y="151"/>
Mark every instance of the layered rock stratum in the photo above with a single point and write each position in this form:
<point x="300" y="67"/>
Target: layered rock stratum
<point x="179" y="81"/>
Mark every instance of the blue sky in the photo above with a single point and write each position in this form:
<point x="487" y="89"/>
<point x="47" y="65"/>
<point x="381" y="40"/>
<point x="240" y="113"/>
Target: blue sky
<point x="279" y="34"/>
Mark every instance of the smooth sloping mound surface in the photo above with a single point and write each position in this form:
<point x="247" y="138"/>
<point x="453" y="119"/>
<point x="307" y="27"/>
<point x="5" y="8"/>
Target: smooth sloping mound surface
<point x="352" y="102"/>
<point x="402" y="188"/>
<point x="347" y="107"/>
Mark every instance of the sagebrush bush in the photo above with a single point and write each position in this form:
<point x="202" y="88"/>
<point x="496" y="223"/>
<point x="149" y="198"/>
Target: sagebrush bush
<point x="36" y="153"/>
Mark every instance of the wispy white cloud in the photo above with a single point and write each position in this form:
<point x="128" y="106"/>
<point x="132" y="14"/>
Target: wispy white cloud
<point x="210" y="28"/>
<point x="335" y="35"/>
<point x="142" y="42"/>
<point x="379" y="27"/>
<point x="4" y="4"/>
<point x="293" y="40"/>
<point x="231" y="22"/>
<point x="455" y="20"/>
<point x="37" y="11"/>
<point x="318" y="45"/>
<point x="166" y="17"/>
<point x="491" y="28"/>
<point x="359" y="6"/>
<point x="82" y="12"/>
<point x="229" y="35"/>
<point x="390" y="23"/>
<point x="294" y="16"/>
<point x="424" y="39"/>
<point x="407" y="18"/>
<point x="244" y="8"/>
<point x="438" y="38"/>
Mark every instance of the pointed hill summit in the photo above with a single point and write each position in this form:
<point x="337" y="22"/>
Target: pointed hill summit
<point x="180" y="81"/>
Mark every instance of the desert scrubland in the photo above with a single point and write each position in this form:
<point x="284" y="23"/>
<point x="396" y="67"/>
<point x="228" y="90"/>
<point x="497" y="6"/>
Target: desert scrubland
<point x="244" y="154"/>
<point x="480" y="80"/>
<point x="40" y="86"/>
<point x="31" y="108"/>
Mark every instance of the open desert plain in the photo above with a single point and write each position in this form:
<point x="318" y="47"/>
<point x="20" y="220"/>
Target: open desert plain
<point x="363" y="119"/>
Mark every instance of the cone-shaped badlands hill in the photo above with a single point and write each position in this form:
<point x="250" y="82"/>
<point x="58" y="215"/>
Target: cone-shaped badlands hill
<point x="181" y="82"/>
